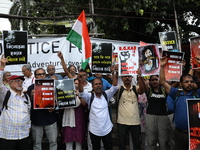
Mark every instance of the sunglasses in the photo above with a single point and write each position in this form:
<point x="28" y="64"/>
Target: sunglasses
<point x="41" y="74"/>
<point x="154" y="80"/>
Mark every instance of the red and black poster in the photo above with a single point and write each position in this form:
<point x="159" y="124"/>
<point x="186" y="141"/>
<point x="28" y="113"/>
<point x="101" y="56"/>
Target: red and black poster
<point x="15" y="46"/>
<point x="101" y="57"/>
<point x="127" y="60"/>
<point x="44" y="94"/>
<point x="193" y="109"/>
<point x="168" y="41"/>
<point x="173" y="68"/>
<point x="195" y="52"/>
<point x="65" y="93"/>
<point x="149" y="60"/>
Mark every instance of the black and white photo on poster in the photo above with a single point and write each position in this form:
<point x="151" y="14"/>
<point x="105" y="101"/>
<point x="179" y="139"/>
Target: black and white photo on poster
<point x="101" y="57"/>
<point x="15" y="46"/>
<point x="65" y="93"/>
<point x="168" y="41"/>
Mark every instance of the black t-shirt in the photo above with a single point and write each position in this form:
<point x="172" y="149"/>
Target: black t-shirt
<point x="156" y="103"/>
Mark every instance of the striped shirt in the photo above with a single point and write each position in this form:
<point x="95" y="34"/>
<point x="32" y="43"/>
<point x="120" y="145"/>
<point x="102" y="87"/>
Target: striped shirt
<point x="14" y="121"/>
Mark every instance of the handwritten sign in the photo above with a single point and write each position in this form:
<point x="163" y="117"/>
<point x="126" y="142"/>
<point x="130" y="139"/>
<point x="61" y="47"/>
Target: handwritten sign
<point x="128" y="60"/>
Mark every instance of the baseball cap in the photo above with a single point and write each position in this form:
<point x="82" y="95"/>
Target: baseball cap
<point x="13" y="77"/>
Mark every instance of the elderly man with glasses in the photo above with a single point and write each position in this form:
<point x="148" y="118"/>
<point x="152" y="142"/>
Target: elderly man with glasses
<point x="15" y="116"/>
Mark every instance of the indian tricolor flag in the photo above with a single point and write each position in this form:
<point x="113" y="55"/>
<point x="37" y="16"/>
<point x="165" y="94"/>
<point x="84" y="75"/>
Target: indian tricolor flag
<point x="80" y="38"/>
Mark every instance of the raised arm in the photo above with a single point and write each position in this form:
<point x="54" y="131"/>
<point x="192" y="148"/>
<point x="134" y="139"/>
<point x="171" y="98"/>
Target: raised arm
<point x="191" y="71"/>
<point x="3" y="89"/>
<point x="141" y="83"/>
<point x="114" y="75"/>
<point x="163" y="62"/>
<point x="3" y="62"/>
<point x="60" y="55"/>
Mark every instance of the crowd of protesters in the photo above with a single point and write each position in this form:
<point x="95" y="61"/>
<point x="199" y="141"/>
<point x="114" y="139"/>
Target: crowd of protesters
<point x="146" y="111"/>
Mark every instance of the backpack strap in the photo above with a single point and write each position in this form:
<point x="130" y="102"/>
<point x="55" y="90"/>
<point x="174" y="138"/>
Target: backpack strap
<point x="8" y="93"/>
<point x="178" y="94"/>
<point x="195" y="94"/>
<point x="134" y="90"/>
<point x="27" y="98"/>
<point x="163" y="91"/>
<point x="105" y="95"/>
<point x="149" y="93"/>
<point x="119" y="94"/>
<point x="92" y="98"/>
<point x="121" y="90"/>
<point x="5" y="102"/>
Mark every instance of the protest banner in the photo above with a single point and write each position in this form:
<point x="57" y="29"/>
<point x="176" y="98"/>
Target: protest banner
<point x="127" y="60"/>
<point x="101" y="57"/>
<point x="15" y="46"/>
<point x="65" y="93"/>
<point x="43" y="52"/>
<point x="44" y="94"/>
<point x="195" y="52"/>
<point x="193" y="109"/>
<point x="168" y="41"/>
<point x="173" y="68"/>
<point x="149" y="60"/>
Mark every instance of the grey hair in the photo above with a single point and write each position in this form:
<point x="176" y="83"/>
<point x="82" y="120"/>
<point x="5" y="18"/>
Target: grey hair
<point x="4" y="73"/>
<point x="50" y="65"/>
<point x="27" y="67"/>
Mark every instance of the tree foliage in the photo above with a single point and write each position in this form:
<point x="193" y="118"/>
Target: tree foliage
<point x="128" y="20"/>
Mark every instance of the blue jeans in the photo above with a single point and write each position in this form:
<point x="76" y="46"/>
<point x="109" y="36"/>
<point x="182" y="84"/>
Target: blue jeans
<point x="51" y="133"/>
<point x="123" y="131"/>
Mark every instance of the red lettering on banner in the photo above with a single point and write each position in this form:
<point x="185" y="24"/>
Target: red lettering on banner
<point x="127" y="48"/>
<point x="124" y="64"/>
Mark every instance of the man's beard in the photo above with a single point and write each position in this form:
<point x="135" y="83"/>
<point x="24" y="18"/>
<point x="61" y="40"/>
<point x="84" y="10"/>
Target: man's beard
<point x="19" y="88"/>
<point x="188" y="90"/>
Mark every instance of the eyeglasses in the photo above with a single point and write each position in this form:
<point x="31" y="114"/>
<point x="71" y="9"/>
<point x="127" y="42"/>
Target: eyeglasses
<point x="17" y="81"/>
<point x="187" y="81"/>
<point x="41" y="74"/>
<point x="154" y="80"/>
<point x="8" y="75"/>
<point x="83" y="75"/>
<point x="51" y="69"/>
<point x="72" y="69"/>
